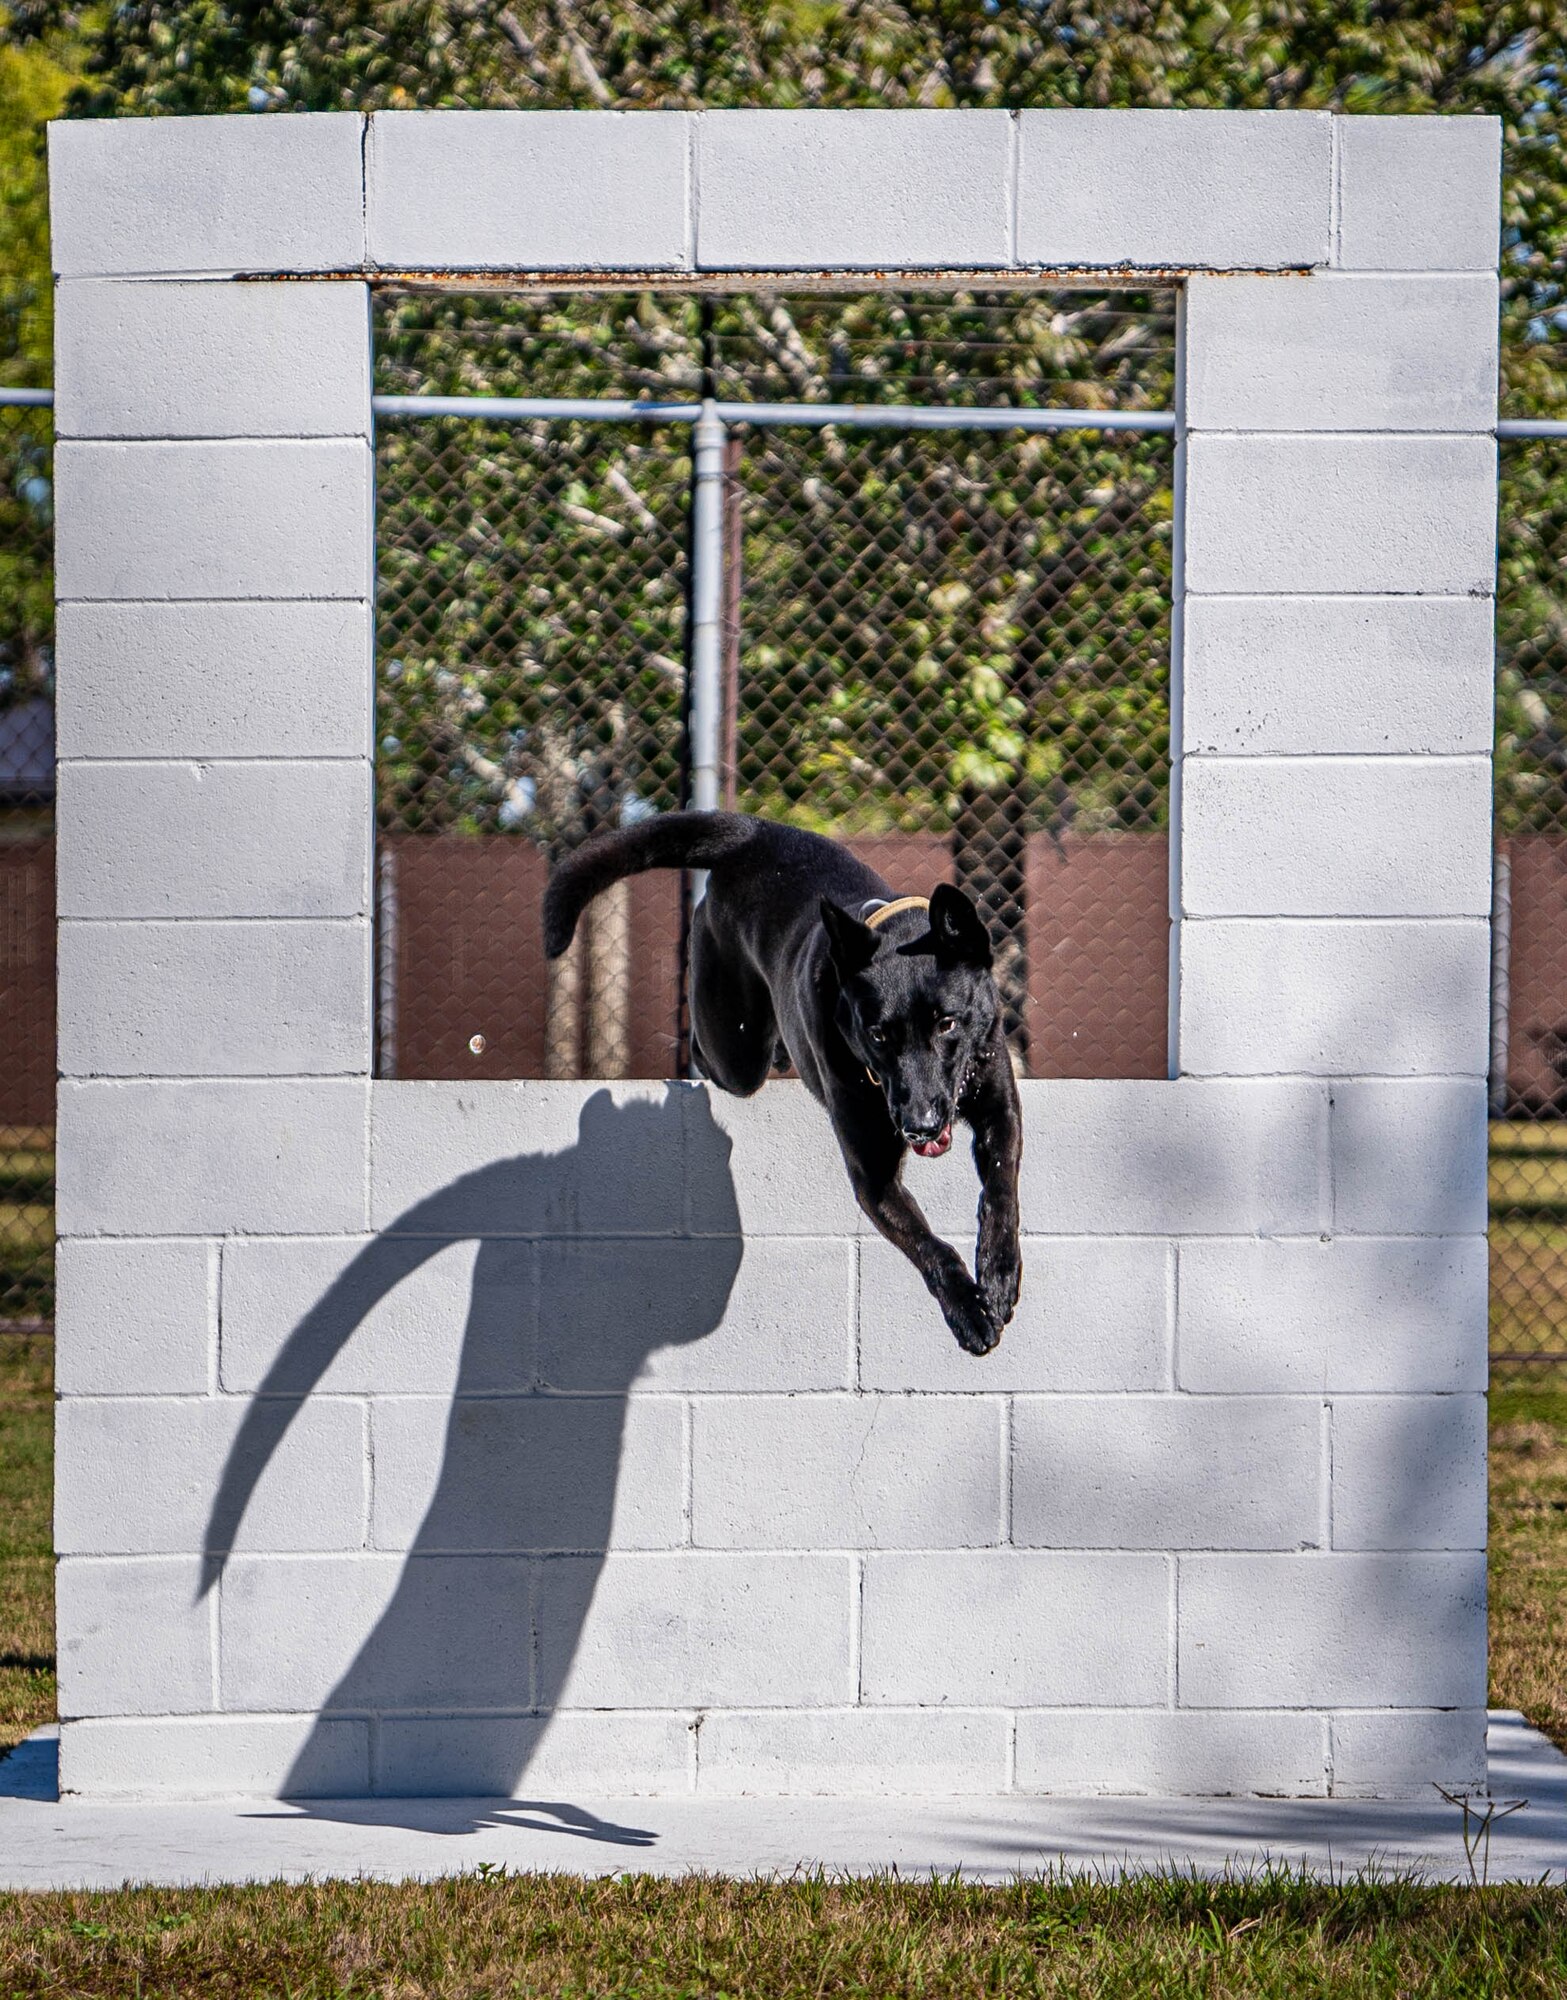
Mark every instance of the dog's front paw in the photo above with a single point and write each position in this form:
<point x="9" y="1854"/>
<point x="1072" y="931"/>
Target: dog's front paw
<point x="1000" y="1280"/>
<point x="966" y="1312"/>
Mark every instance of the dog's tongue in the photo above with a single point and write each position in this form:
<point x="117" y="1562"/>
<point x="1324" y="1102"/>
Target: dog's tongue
<point x="932" y="1149"/>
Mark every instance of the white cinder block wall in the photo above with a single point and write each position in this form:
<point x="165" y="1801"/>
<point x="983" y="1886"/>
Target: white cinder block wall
<point x="436" y="1437"/>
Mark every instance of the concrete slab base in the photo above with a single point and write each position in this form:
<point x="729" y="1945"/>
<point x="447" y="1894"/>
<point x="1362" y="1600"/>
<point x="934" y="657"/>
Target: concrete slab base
<point x="49" y="1843"/>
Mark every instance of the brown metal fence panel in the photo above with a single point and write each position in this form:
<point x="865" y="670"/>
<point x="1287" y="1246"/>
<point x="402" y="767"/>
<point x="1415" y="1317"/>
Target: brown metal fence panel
<point x="949" y="649"/>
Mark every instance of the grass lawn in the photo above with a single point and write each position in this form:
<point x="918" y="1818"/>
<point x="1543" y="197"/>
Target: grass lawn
<point x="637" y="1935"/>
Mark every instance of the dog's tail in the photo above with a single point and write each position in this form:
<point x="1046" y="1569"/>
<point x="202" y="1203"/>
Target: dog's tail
<point x="669" y="840"/>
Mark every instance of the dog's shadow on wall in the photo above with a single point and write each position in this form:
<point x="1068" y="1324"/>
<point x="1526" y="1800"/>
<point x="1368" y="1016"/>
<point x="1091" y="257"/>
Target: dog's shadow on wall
<point x="461" y="1671"/>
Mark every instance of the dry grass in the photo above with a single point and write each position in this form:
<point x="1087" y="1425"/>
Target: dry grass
<point x="797" y="1940"/>
<point x="1528" y="1564"/>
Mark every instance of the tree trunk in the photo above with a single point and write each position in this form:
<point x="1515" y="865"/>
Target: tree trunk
<point x="563" y="1012"/>
<point x="989" y="851"/>
<point x="608" y="920"/>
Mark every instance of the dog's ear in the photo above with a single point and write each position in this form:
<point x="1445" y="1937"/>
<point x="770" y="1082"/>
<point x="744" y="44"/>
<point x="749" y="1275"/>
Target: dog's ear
<point x="957" y="934"/>
<point x="851" y="943"/>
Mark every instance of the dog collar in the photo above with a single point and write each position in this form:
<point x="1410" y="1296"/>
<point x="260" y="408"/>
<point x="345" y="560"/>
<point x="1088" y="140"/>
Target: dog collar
<point x="877" y="918"/>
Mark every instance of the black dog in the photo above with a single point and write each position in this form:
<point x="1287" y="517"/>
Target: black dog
<point x="887" y="1010"/>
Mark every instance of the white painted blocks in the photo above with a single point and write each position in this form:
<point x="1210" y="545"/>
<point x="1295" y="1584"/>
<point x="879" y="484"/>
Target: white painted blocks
<point x="1305" y="676"/>
<point x="373" y="1631"/>
<point x="137" y="1475"/>
<point x="1332" y="998"/>
<point x="206" y="194"/>
<point x="1409" y="1157"/>
<point x="1095" y="1314"/>
<point x="1193" y="1157"/>
<point x="1187" y="1752"/>
<point x="513" y="1474"/>
<point x="153" y="1602"/>
<point x="705" y="1630"/>
<point x="1341" y="354"/>
<point x="275" y="517"/>
<point x="217" y="1756"/>
<point x="1371" y="1313"/>
<point x="877" y="1472"/>
<point x="202" y="1158"/>
<point x="529" y="190"/>
<point x="135" y="1318"/>
<point x="1336" y="837"/>
<point x="844" y="190"/>
<point x="211" y="361"/>
<point x="1350" y="1631"/>
<point x="571" y="1752"/>
<point x="1215" y="189"/>
<point x="1395" y="1753"/>
<point x="1015" y="1628"/>
<point x="1419" y="194"/>
<point x="1341" y="514"/>
<point x="214" y="680"/>
<point x="214" y="840"/>
<point x="858" y="1752"/>
<point x="1166" y="1472"/>
<point x="205" y="999"/>
<point x="1409" y="1472"/>
<point x="784" y="1168"/>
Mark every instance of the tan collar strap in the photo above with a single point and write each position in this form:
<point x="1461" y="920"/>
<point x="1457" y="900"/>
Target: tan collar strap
<point x="877" y="918"/>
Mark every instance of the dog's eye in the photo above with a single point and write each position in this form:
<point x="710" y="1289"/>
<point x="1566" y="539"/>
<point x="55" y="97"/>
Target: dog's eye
<point x="876" y="1037"/>
<point x="947" y="1025"/>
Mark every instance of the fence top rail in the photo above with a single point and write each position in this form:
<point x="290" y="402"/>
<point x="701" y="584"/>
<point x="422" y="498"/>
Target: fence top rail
<point x="866" y="416"/>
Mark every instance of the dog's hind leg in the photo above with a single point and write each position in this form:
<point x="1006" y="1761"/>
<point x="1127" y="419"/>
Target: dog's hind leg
<point x="733" y="1032"/>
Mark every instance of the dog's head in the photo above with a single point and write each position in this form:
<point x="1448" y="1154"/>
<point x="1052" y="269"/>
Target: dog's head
<point x="916" y="1014"/>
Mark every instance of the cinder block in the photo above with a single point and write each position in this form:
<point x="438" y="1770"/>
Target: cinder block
<point x="134" y="1319"/>
<point x="1310" y="676"/>
<point x="855" y="1752"/>
<point x="1402" y="1753"/>
<point x="278" y="518"/>
<point x="378" y="1315"/>
<point x="782" y="1170"/>
<point x="1352" y="1314"/>
<point x="697" y="1313"/>
<point x="217" y="1756"/>
<point x="1338" y="514"/>
<point x="1304" y="1631"/>
<point x="1341" y="354"/>
<point x="1094" y="1314"/>
<point x="1216" y="190"/>
<point x="1409" y="1472"/>
<point x="211" y="361"/>
<point x="1017" y="1627"/>
<point x="206" y="194"/>
<point x="572" y="1755"/>
<point x="852" y="190"/>
<point x="1166" y="1472"/>
<point x="1335" y="999"/>
<point x="501" y="1475"/>
<point x="532" y="1159"/>
<point x="139" y="1475"/>
<point x="203" y="1158"/>
<point x="369" y="1631"/>
<point x="696" y="1630"/>
<point x="214" y="680"/>
<point x="214" y="840"/>
<point x="1177" y="1753"/>
<point x="1419" y="194"/>
<point x="224" y="999"/>
<point x="1194" y="1156"/>
<point x="1409" y="1158"/>
<point x="1336" y="837"/>
<point x="801" y="1472"/>
<point x="528" y="190"/>
<point x="134" y="1639"/>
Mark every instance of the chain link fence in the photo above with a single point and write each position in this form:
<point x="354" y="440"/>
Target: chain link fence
<point x="947" y="648"/>
<point x="27" y="1064"/>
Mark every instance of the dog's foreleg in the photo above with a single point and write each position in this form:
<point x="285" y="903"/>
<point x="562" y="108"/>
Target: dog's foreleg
<point x="996" y="1116"/>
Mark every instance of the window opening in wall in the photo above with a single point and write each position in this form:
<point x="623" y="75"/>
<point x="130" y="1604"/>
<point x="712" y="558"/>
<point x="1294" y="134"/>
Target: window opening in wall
<point x="948" y="647"/>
